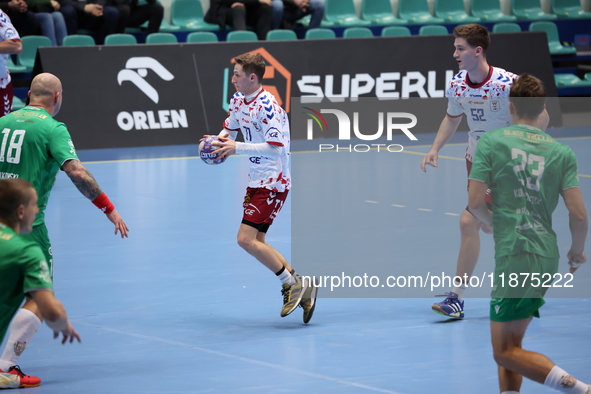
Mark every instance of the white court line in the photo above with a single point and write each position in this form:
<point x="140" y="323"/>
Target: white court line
<point x="399" y="206"/>
<point x="451" y="214"/>
<point x="546" y="333"/>
<point x="372" y="202"/>
<point x="424" y="209"/>
<point x="248" y="360"/>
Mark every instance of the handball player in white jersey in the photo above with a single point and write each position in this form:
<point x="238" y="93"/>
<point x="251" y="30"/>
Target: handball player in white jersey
<point x="481" y="92"/>
<point x="265" y="128"/>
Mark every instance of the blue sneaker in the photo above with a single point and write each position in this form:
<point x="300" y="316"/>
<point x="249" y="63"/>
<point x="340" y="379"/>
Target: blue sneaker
<point x="451" y="306"/>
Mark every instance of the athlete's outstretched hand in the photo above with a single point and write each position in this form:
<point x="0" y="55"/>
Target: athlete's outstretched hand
<point x="68" y="333"/>
<point x="575" y="260"/>
<point x="120" y="225"/>
<point x="431" y="159"/>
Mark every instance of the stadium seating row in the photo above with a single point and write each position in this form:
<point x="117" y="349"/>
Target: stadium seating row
<point x="187" y="15"/>
<point x="31" y="43"/>
<point x="26" y="59"/>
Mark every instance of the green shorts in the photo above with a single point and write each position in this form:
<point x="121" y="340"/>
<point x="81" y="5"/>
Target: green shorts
<point x="520" y="283"/>
<point x="41" y="237"/>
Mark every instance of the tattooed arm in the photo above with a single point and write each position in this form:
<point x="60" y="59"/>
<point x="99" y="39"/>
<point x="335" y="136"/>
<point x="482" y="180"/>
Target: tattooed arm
<point x="82" y="179"/>
<point x="88" y="186"/>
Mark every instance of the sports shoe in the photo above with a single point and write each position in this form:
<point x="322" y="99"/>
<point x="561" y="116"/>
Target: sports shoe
<point x="292" y="295"/>
<point x="451" y="306"/>
<point x="308" y="302"/>
<point x="25" y="380"/>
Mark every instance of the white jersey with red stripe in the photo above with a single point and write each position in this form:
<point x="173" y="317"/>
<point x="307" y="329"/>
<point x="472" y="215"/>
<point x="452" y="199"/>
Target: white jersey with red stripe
<point x="7" y="32"/>
<point x="262" y="120"/>
<point x="486" y="105"/>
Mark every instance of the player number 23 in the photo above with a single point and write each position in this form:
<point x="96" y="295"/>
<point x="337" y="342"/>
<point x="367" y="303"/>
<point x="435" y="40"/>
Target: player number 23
<point x="11" y="151"/>
<point x="529" y="160"/>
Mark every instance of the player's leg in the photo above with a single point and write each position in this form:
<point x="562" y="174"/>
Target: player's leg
<point x="453" y="305"/>
<point x="23" y="328"/>
<point x="263" y="252"/>
<point x="469" y="247"/>
<point x="508" y="381"/>
<point x="260" y="208"/>
<point x="261" y="238"/>
<point x="308" y="301"/>
<point x="515" y="361"/>
<point x="292" y="289"/>
<point x="28" y="319"/>
<point x="506" y="341"/>
<point x="511" y="310"/>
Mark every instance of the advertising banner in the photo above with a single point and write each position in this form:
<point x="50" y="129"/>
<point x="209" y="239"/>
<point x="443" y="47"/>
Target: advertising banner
<point x="148" y="95"/>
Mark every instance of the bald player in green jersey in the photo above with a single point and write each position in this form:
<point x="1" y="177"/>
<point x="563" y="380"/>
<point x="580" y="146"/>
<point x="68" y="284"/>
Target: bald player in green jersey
<point x="34" y="147"/>
<point x="527" y="170"/>
<point x="24" y="270"/>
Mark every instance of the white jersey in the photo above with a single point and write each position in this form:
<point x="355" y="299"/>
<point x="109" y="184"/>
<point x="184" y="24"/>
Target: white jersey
<point x="262" y="120"/>
<point x="7" y="32"/>
<point x="486" y="105"/>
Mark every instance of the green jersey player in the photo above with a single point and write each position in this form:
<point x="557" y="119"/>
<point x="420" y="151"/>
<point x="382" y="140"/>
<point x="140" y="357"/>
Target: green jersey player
<point x="24" y="270"/>
<point x="34" y="147"/>
<point x="526" y="170"/>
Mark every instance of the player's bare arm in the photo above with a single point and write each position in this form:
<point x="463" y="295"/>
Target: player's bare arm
<point x="477" y="204"/>
<point x="578" y="223"/>
<point x="88" y="186"/>
<point x="55" y="315"/>
<point x="448" y="127"/>
<point x="82" y="179"/>
<point x="11" y="47"/>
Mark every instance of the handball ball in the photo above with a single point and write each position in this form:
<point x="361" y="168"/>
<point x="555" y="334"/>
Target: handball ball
<point x="206" y="150"/>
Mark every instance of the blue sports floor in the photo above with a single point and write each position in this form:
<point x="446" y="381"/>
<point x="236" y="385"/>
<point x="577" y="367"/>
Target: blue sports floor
<point x="180" y="308"/>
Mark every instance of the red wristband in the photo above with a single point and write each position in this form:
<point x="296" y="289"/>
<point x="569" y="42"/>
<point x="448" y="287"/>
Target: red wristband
<point x="104" y="204"/>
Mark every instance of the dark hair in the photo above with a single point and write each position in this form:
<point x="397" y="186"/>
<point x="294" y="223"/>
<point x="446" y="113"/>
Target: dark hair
<point x="528" y="96"/>
<point x="252" y="63"/>
<point x="475" y="35"/>
<point x="13" y="193"/>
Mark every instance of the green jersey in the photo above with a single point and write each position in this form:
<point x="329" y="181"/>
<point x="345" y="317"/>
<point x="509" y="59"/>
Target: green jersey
<point x="34" y="146"/>
<point x="526" y="170"/>
<point x="22" y="269"/>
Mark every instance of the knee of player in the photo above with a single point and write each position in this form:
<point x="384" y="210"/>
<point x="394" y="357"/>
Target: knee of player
<point x="245" y="242"/>
<point x="469" y="223"/>
<point x="502" y="356"/>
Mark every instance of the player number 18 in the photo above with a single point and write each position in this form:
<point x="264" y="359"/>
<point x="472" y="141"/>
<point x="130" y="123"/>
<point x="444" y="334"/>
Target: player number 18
<point x="12" y="152"/>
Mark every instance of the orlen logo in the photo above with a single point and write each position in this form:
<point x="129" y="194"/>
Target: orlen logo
<point x="277" y="81"/>
<point x="390" y="119"/>
<point x="142" y="65"/>
<point x="135" y="71"/>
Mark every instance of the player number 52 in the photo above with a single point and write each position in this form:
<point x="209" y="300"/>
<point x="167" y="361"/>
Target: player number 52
<point x="477" y="114"/>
